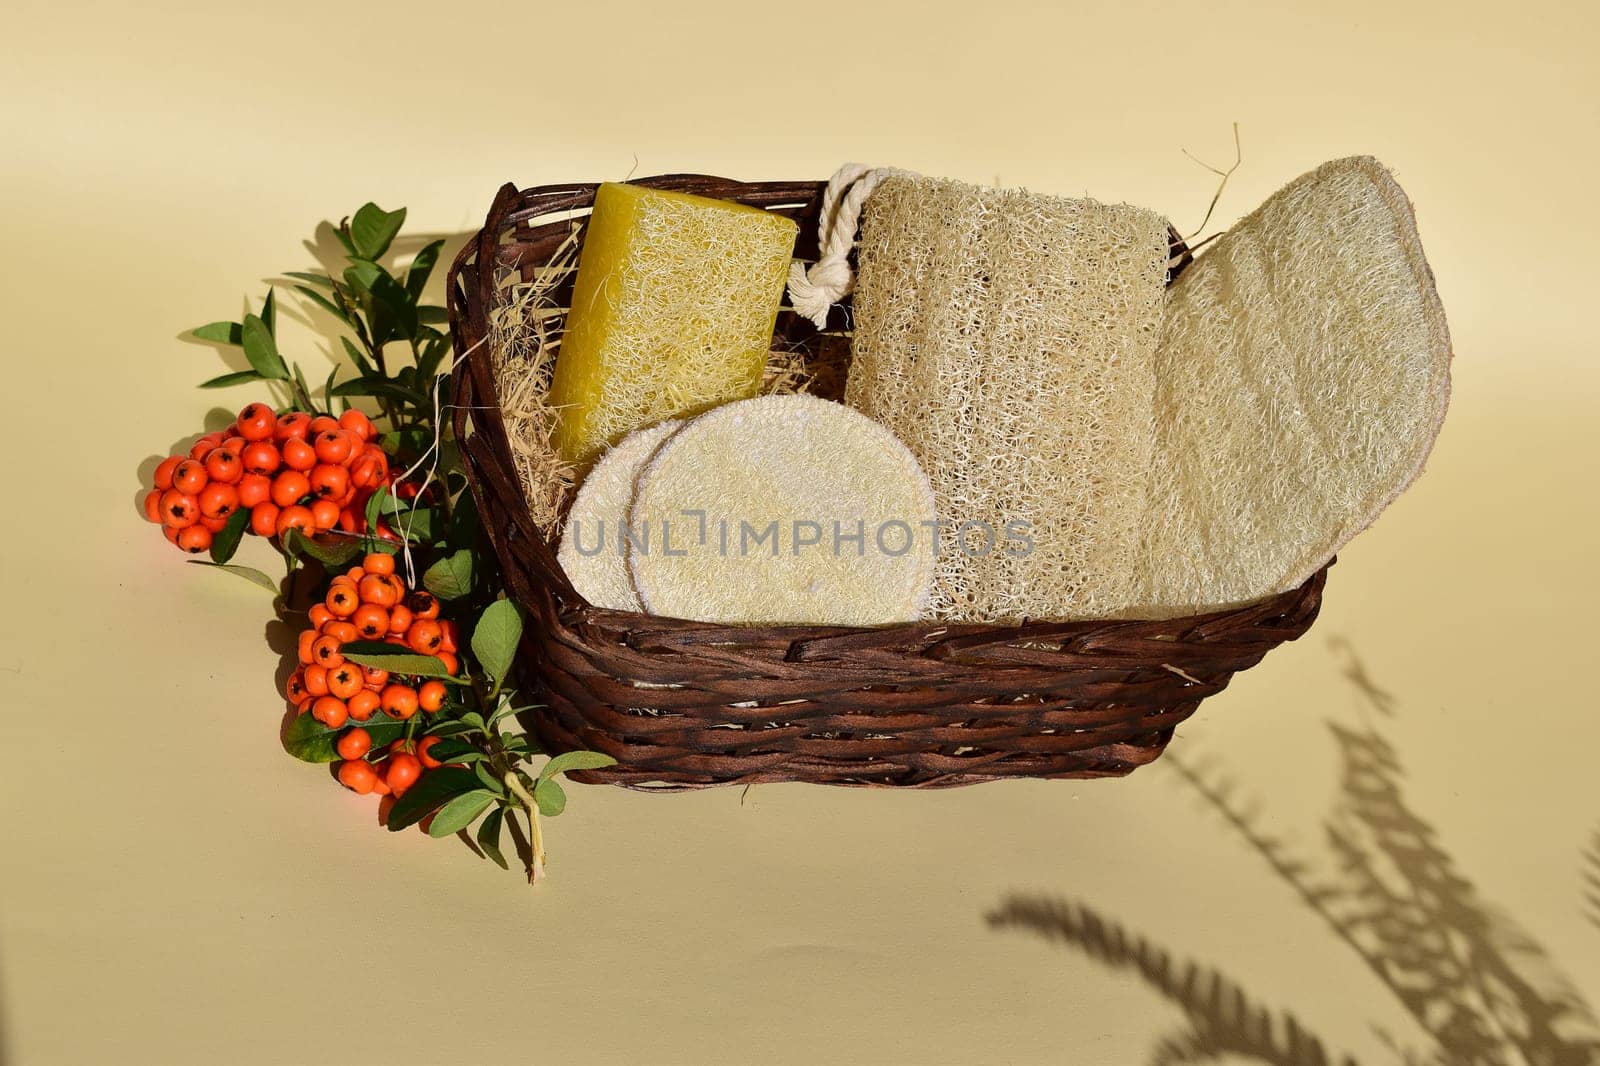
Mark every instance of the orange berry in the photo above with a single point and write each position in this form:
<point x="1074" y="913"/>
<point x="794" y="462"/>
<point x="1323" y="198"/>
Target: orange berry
<point x="152" y="505"/>
<point x="170" y="533"/>
<point x="330" y="711"/>
<point x="303" y="646"/>
<point x="430" y="697"/>
<point x="451" y="663"/>
<point x="347" y="520"/>
<point x="163" y="478"/>
<point x="329" y="482"/>
<point x="368" y="471"/>
<point x="342" y="600"/>
<point x="423" y="605"/>
<point x="236" y="445"/>
<point x="325" y="513"/>
<point x="404" y="769"/>
<point x="216" y="525"/>
<point x="344" y="680"/>
<point x="322" y="424"/>
<point x="357" y="776"/>
<point x="399" y="618"/>
<point x="335" y="446"/>
<point x="374" y="677"/>
<point x="325" y="651"/>
<point x="254" y="489"/>
<point x="223" y="467"/>
<point x="371" y="621"/>
<point x="316" y="679"/>
<point x="384" y="590"/>
<point x="292" y="425"/>
<point x="362" y="703"/>
<point x="295" y="518"/>
<point x="298" y="455"/>
<point x="194" y="539"/>
<point x="341" y="630"/>
<point x="425" y="637"/>
<point x="448" y="635"/>
<point x="398" y="701"/>
<point x="378" y="563"/>
<point x="355" y="422"/>
<point x="205" y="446"/>
<point x="380" y="787"/>
<point x="264" y="519"/>
<point x="179" y="510"/>
<point x="218" y="500"/>
<point x="290" y="487"/>
<point x="319" y="615"/>
<point x="354" y="743"/>
<point x="424" y="746"/>
<point x="256" y="422"/>
<point x="189" y="477"/>
<point x="260" y="457"/>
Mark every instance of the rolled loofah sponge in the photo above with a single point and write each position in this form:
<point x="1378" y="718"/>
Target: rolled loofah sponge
<point x="594" y="543"/>
<point x="783" y="510"/>
<point x="1009" y="340"/>
<point x="1303" y="373"/>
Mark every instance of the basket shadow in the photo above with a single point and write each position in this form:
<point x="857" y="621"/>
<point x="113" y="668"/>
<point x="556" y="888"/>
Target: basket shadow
<point x="1476" y="982"/>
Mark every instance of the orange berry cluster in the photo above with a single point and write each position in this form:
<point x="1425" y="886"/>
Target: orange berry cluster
<point x="292" y="471"/>
<point x="371" y="602"/>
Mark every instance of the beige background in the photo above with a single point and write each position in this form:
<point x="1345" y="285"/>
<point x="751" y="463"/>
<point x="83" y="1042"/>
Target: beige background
<point x="174" y="889"/>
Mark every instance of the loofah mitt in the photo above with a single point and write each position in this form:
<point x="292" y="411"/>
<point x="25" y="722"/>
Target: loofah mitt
<point x="783" y="510"/>
<point x="1303" y="373"/>
<point x="1009" y="339"/>
<point x="594" y="542"/>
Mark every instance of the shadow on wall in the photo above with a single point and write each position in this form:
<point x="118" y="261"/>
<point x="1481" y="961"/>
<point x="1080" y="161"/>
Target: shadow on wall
<point x="1481" y="987"/>
<point x="1591" y="879"/>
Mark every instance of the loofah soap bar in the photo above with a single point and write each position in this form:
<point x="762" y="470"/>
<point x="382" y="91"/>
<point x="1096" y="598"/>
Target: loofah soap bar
<point x="672" y="312"/>
<point x="1303" y="372"/>
<point x="1008" y="339"/>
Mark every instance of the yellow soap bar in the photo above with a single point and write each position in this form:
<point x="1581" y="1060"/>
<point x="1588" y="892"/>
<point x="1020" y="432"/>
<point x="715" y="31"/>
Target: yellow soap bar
<point x="672" y="313"/>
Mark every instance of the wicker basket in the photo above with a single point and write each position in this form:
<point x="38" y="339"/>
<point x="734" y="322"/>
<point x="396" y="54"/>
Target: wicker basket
<point x="688" y="704"/>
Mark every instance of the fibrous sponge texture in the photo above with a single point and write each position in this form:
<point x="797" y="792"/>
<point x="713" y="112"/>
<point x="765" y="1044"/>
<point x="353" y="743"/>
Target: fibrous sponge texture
<point x="594" y="544"/>
<point x="672" y="312"/>
<point x="1303" y="372"/>
<point x="1009" y="339"/>
<point x="783" y="510"/>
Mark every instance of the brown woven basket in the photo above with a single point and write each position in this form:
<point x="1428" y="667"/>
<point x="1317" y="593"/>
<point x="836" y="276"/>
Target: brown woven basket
<point x="689" y="704"/>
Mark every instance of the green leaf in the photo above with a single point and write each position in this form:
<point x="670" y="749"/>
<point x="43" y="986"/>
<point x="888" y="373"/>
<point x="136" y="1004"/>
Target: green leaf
<point x="459" y="813"/>
<point x="385" y="656"/>
<point x="323" y="302"/>
<point x="494" y="639"/>
<point x="451" y="577"/>
<point x="432" y="789"/>
<point x="373" y="229"/>
<point x="314" y="279"/>
<point x="310" y="741"/>
<point x="550" y="797"/>
<point x="375" y="508"/>
<point x="330" y="551"/>
<point x="431" y="313"/>
<point x="490" y="782"/>
<point x="226" y="542"/>
<point x="489" y="837"/>
<point x="575" y="760"/>
<point x="269" y="311"/>
<point x="376" y="385"/>
<point x="220" y="332"/>
<point x="239" y="377"/>
<point x="421" y="267"/>
<point x="249" y="573"/>
<point x="262" y="350"/>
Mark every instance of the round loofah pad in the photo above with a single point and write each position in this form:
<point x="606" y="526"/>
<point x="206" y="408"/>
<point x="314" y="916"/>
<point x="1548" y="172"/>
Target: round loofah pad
<point x="1302" y="375"/>
<point x="784" y="510"/>
<point x="593" y="544"/>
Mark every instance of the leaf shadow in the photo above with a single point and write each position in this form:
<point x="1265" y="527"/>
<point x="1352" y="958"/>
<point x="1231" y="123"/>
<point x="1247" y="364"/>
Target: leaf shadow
<point x="1482" y="988"/>
<point x="1591" y="879"/>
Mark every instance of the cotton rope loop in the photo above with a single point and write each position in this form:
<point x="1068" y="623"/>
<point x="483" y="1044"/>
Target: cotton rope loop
<point x="593" y="546"/>
<point x="784" y="510"/>
<point x="814" y="291"/>
<point x="1008" y="338"/>
<point x="1302" y="375"/>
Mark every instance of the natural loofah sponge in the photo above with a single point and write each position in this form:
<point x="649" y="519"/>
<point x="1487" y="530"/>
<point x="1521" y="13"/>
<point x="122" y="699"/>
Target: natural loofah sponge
<point x="1008" y="339"/>
<point x="1303" y="373"/>
<point x="672" y="312"/>
<point x="594" y="543"/>
<point x="784" y="510"/>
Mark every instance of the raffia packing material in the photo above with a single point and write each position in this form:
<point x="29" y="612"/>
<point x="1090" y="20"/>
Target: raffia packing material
<point x="1009" y="339"/>
<point x="1303" y="373"/>
<point x="672" y="312"/>
<point x="594" y="543"/>
<point x="805" y="471"/>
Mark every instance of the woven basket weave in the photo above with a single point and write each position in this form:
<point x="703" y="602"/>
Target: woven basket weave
<point x="689" y="704"/>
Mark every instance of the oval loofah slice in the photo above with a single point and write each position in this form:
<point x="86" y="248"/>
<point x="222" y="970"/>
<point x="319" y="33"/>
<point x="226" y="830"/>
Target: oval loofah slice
<point x="1302" y="375"/>
<point x="784" y="510"/>
<point x="593" y="543"/>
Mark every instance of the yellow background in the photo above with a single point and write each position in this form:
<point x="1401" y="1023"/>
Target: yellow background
<point x="175" y="889"/>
